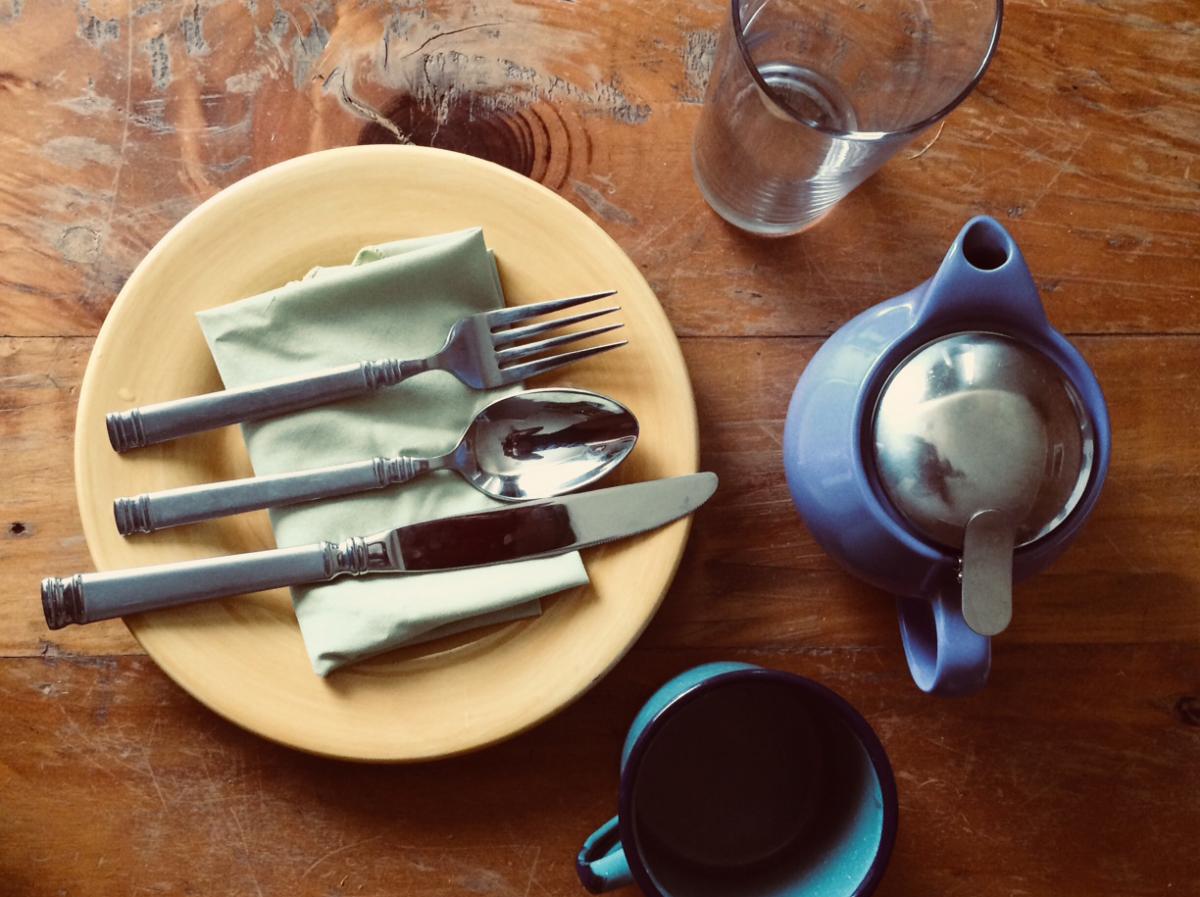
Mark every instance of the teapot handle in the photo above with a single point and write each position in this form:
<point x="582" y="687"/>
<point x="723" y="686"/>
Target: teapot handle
<point x="984" y="278"/>
<point x="945" y="656"/>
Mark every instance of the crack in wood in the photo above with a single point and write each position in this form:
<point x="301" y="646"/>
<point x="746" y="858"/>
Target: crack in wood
<point x="442" y="34"/>
<point x="365" y="111"/>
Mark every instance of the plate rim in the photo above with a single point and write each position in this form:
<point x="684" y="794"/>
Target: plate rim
<point x="98" y="354"/>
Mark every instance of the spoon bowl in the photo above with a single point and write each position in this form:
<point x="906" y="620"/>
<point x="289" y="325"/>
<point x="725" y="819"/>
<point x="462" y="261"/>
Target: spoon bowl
<point x="544" y="442"/>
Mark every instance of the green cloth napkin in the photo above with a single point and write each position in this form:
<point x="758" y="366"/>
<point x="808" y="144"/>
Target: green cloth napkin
<point x="396" y="300"/>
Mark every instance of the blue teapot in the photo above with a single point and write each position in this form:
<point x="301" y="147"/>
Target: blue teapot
<point x="945" y="443"/>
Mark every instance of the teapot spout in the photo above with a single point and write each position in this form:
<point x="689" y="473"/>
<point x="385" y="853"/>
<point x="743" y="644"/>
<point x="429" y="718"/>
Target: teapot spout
<point x="983" y="280"/>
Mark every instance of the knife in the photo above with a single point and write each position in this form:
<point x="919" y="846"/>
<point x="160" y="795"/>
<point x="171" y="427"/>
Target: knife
<point x="530" y="530"/>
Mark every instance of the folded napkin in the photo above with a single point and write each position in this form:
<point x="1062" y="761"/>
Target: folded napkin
<point x="396" y="300"/>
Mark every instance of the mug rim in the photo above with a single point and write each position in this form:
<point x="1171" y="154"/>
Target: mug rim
<point x="859" y="727"/>
<point x="908" y="130"/>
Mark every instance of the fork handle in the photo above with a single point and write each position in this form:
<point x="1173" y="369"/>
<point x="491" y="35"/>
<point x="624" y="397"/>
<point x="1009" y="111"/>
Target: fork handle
<point x="160" y="422"/>
<point x="174" y="507"/>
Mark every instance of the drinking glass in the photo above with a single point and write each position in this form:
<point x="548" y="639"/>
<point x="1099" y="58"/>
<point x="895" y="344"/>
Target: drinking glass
<point x="808" y="98"/>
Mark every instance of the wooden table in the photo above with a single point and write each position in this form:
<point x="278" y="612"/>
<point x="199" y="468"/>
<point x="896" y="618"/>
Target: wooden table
<point x="1076" y="772"/>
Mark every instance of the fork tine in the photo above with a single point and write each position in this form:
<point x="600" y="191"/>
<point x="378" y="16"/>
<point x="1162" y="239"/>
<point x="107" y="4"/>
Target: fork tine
<point x="502" y="317"/>
<point x="518" y="334"/>
<point x="543" y="365"/>
<point x="527" y="350"/>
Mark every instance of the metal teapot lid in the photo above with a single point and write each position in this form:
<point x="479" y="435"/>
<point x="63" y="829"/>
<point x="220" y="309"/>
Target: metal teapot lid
<point x="982" y="445"/>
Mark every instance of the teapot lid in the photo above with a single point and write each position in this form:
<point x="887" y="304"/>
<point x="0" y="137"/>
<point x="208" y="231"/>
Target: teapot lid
<point x="977" y="422"/>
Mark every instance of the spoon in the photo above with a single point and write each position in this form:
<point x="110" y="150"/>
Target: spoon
<point x="536" y="444"/>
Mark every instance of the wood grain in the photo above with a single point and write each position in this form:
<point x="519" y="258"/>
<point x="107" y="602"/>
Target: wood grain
<point x="1074" y="773"/>
<point x="1084" y="149"/>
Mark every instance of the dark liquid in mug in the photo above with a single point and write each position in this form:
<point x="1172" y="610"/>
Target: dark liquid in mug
<point x="752" y="780"/>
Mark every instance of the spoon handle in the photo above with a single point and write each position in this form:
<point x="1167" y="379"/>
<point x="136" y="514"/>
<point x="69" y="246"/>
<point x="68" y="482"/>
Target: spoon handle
<point x="152" y="511"/>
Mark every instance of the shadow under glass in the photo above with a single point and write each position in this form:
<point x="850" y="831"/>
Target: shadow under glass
<point x="756" y="789"/>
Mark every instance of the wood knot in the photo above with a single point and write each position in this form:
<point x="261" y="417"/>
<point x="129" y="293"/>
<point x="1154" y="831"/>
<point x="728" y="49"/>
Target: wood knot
<point x="476" y="124"/>
<point x="1187" y="708"/>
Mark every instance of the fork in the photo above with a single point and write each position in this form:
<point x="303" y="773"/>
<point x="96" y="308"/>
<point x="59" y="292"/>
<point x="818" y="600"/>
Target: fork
<point x="483" y="350"/>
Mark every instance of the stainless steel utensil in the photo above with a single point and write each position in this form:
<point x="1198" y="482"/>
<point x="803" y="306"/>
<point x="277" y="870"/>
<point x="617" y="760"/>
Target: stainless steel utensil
<point x="529" y="530"/>
<point x="535" y="444"/>
<point x="983" y="446"/>
<point x="481" y="350"/>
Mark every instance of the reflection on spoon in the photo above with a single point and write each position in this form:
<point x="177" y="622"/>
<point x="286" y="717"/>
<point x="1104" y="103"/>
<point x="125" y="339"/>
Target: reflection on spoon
<point x="544" y="442"/>
<point x="535" y="444"/>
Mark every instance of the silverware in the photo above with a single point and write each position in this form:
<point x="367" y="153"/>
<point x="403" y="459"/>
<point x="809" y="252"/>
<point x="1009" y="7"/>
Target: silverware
<point x="529" y="530"/>
<point x="536" y="444"/>
<point x="481" y="350"/>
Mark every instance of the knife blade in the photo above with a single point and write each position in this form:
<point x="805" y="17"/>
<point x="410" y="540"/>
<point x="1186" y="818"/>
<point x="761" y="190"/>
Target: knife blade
<point x="525" y="531"/>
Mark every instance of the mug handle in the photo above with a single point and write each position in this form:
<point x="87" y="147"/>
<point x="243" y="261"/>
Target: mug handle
<point x="945" y="656"/>
<point x="601" y="864"/>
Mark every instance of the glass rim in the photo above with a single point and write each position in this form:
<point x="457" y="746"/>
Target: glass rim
<point x="740" y="37"/>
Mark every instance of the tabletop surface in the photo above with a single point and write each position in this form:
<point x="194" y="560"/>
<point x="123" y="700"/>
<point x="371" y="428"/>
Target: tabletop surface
<point x="1077" y="771"/>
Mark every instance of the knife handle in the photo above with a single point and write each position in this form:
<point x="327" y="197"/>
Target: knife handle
<point x="88" y="597"/>
<point x="160" y="422"/>
<point x="152" y="511"/>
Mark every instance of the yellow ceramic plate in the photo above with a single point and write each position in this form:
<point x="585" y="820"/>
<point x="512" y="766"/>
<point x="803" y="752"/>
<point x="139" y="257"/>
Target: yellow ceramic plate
<point x="243" y="657"/>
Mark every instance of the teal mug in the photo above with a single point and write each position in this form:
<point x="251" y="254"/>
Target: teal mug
<point x="738" y="781"/>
